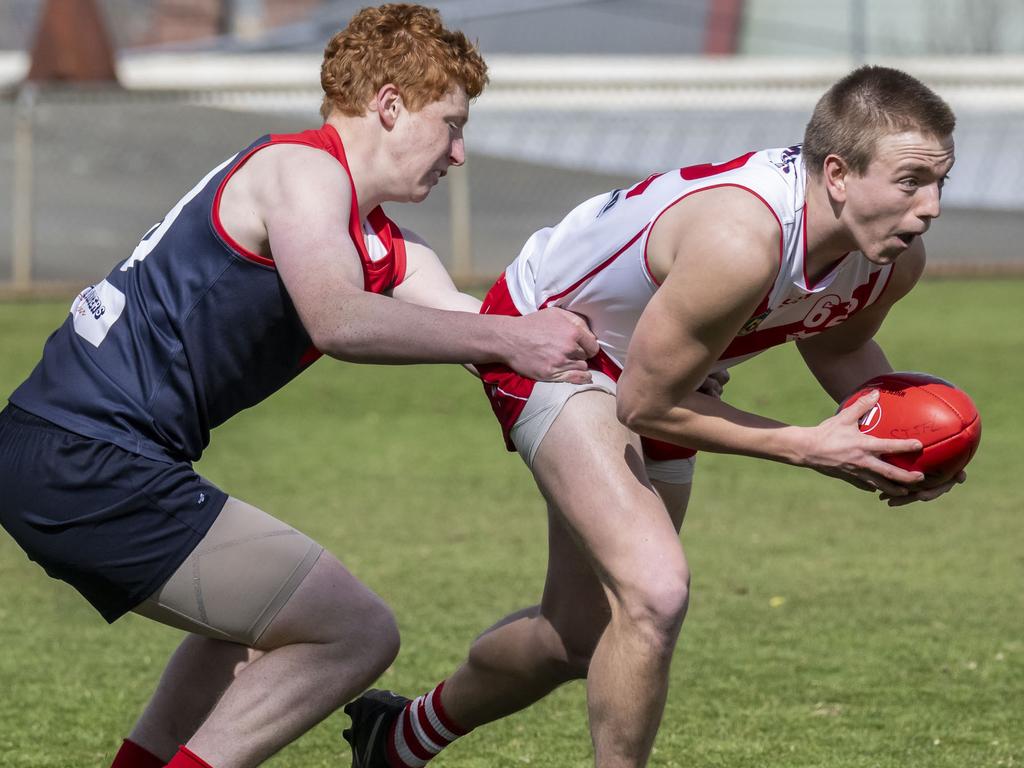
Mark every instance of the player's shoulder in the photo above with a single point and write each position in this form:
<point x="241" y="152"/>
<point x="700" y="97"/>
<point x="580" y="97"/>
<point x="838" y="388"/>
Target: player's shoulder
<point x="299" y="158"/>
<point x="724" y="231"/>
<point x="286" y="170"/>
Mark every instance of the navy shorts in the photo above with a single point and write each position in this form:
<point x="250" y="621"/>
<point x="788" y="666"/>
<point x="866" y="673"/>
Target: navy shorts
<point x="112" y="524"/>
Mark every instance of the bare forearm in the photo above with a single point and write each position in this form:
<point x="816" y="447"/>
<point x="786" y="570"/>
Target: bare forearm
<point x="378" y="329"/>
<point x="707" y="424"/>
<point x="841" y="373"/>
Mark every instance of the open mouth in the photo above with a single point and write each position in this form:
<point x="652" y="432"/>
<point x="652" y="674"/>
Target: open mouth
<point x="907" y="238"/>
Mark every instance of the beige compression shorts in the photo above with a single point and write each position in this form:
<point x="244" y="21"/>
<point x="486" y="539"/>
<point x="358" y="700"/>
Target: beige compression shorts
<point x="237" y="579"/>
<point x="546" y="402"/>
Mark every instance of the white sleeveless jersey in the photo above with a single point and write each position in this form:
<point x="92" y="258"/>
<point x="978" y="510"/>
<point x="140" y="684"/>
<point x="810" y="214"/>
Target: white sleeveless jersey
<point x="595" y="261"/>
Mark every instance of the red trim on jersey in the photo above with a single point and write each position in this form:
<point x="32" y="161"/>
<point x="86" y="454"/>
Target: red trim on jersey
<point x="647" y="264"/>
<point x="218" y="226"/>
<point x="310" y="356"/>
<point x="592" y="272"/>
<point x="641" y="187"/>
<point x="827" y="271"/>
<point x="888" y="278"/>
<point x="373" y="272"/>
<point x="760" y="340"/>
<point x="389" y="271"/>
<point x="656" y="450"/>
<point x="378" y="276"/>
<point x="508" y="392"/>
<point x="704" y="170"/>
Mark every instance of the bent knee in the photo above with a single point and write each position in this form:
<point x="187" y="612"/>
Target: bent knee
<point x="657" y="606"/>
<point x="375" y="637"/>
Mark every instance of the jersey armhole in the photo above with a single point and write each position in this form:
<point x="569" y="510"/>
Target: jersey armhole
<point x="654" y="221"/>
<point x="398" y="242"/>
<point x="218" y="225"/>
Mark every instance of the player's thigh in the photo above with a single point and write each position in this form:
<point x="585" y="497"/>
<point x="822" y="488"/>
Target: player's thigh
<point x="676" y="498"/>
<point x="239" y="577"/>
<point x="574" y="601"/>
<point x="591" y="470"/>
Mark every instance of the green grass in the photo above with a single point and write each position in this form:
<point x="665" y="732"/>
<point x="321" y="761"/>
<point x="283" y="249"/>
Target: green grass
<point x="900" y="640"/>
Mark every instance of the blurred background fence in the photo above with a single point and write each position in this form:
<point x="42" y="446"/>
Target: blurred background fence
<point x="89" y="168"/>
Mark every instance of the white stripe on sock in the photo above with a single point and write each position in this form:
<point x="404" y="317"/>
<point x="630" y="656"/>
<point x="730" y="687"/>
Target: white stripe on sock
<point x="404" y="753"/>
<point x="425" y="741"/>
<point x="435" y="721"/>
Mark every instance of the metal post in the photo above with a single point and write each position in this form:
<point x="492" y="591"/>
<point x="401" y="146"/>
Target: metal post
<point x="21" y="239"/>
<point x="458" y="198"/>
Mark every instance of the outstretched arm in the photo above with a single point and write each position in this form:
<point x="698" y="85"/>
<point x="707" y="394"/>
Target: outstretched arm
<point x="718" y="275"/>
<point x="303" y="199"/>
<point x="428" y="284"/>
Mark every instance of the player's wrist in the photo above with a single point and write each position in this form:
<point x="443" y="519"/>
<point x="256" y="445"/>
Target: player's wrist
<point x="502" y="332"/>
<point x="792" y="445"/>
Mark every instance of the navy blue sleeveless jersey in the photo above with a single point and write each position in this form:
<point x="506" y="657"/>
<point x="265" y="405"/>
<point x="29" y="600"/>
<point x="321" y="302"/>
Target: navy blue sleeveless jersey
<point x="191" y="329"/>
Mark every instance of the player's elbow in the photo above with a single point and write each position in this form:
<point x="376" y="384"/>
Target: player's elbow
<point x="632" y="410"/>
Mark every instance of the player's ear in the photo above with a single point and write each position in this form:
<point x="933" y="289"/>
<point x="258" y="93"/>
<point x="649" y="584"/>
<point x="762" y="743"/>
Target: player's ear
<point x="387" y="103"/>
<point x="835" y="171"/>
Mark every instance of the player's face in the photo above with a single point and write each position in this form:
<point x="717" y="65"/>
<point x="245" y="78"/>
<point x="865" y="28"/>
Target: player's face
<point x="431" y="141"/>
<point x="894" y="202"/>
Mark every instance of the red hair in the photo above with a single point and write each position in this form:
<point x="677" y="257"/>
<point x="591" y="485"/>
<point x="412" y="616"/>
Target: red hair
<point x="401" y="44"/>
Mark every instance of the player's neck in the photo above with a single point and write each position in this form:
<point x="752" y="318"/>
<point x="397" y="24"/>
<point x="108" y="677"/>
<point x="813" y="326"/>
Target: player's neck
<point x="362" y="151"/>
<point x="827" y="238"/>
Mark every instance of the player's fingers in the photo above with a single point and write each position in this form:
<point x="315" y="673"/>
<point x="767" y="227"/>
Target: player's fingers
<point x="890" y="489"/>
<point x="864" y="486"/>
<point x="928" y="494"/>
<point x="859" y="407"/>
<point x="879" y="445"/>
<point x="895" y="476"/>
<point x="572" y="365"/>
<point x="588" y="342"/>
<point x="572" y="377"/>
<point x="711" y="388"/>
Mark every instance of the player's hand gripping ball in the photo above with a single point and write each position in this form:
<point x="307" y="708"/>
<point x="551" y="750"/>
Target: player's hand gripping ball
<point x="930" y="409"/>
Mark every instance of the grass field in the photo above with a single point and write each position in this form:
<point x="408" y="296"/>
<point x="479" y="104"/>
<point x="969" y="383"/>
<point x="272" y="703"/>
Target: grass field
<point x="825" y="628"/>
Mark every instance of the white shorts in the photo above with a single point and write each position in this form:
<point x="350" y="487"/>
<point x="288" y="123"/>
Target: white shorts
<point x="546" y="402"/>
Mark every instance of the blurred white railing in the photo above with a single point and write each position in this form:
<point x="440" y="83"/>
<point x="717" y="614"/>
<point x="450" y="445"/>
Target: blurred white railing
<point x="620" y="117"/>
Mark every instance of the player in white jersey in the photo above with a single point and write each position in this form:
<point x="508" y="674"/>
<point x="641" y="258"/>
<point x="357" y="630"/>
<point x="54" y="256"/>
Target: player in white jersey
<point x="685" y="274"/>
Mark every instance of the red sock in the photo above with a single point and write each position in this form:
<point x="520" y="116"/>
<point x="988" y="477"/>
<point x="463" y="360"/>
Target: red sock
<point x="421" y="731"/>
<point x="187" y="759"/>
<point x="131" y="755"/>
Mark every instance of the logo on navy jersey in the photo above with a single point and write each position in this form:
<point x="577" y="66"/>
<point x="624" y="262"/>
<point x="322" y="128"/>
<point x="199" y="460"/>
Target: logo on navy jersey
<point x="95" y="309"/>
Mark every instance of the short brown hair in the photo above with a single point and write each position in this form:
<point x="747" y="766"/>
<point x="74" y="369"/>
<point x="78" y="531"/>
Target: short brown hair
<point x="401" y="44"/>
<point x="867" y="104"/>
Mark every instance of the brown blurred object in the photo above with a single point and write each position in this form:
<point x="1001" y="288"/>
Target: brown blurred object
<point x="722" y="28"/>
<point x="72" y="45"/>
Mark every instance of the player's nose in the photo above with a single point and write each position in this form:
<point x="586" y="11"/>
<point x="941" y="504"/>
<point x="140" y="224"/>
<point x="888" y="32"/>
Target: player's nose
<point x="457" y="152"/>
<point x="930" y="206"/>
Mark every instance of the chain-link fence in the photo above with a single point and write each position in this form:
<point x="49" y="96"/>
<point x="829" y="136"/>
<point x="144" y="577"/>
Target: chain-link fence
<point x="91" y="170"/>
